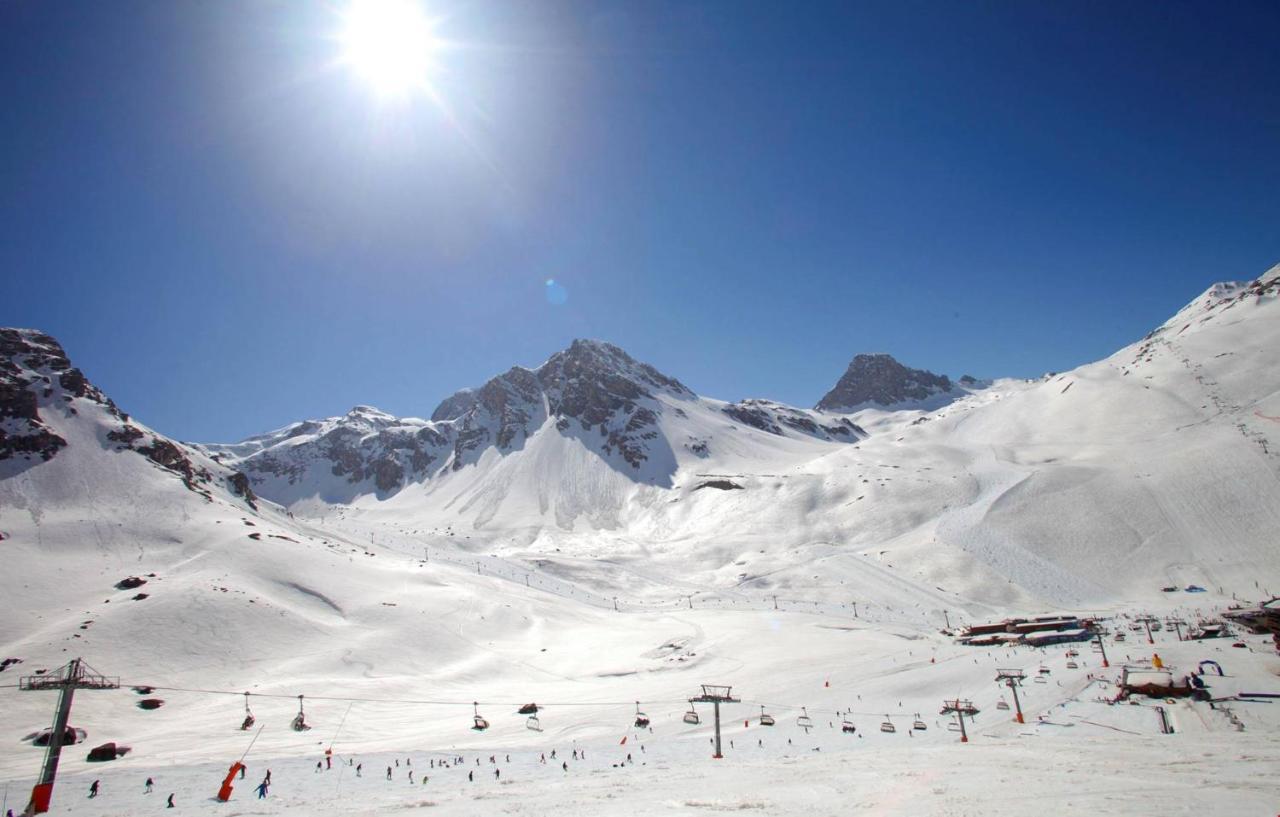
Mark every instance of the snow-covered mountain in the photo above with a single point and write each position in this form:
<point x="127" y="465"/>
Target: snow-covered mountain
<point x="591" y="397"/>
<point x="45" y="402"/>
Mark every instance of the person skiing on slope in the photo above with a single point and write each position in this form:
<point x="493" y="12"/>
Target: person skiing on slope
<point x="93" y="789"/>
<point x="170" y="803"/>
<point x="262" y="789"/>
<point x="148" y="786"/>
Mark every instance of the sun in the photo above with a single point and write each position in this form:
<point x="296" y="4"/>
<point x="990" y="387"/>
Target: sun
<point x="390" y="43"/>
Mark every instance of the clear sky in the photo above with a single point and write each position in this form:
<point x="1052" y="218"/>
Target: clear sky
<point x="230" y="229"/>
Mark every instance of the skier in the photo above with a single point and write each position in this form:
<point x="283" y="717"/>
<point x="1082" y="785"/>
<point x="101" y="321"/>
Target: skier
<point x="328" y="758"/>
<point x="262" y="789"/>
<point x="268" y="777"/>
<point x="411" y="775"/>
<point x="93" y="790"/>
<point x="170" y="803"/>
<point x="471" y="776"/>
<point x="359" y="768"/>
<point x="565" y="765"/>
<point x="388" y="772"/>
<point x="497" y="773"/>
<point x="149" y="785"/>
<point x="319" y="766"/>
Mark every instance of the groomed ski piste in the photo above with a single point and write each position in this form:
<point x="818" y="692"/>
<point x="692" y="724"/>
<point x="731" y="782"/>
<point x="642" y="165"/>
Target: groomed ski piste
<point x="820" y="589"/>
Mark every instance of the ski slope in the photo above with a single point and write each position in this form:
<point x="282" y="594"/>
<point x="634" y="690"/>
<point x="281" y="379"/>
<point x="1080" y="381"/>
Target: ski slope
<point x="551" y="574"/>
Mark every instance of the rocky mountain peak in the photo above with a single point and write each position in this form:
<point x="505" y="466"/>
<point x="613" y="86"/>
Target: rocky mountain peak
<point x="880" y="380"/>
<point x="604" y="363"/>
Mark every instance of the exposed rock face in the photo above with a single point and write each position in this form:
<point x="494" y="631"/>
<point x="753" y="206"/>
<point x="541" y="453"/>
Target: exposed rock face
<point x="766" y="415"/>
<point x="30" y="362"/>
<point x="880" y="380"/>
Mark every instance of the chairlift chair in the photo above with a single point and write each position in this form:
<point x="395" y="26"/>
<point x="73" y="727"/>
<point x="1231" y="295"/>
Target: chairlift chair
<point x="300" y="720"/>
<point x="1040" y="679"/>
<point x="691" y="717"/>
<point x="765" y="718"/>
<point x="248" y="715"/>
<point x="887" y="726"/>
<point x="804" y="721"/>
<point x="847" y="727"/>
<point x="919" y="725"/>
<point x="533" y="723"/>
<point x="642" y="720"/>
<point x="1072" y="665"/>
<point x="952" y="726"/>
<point x="478" y="723"/>
<point x="1043" y="670"/>
<point x="1002" y="704"/>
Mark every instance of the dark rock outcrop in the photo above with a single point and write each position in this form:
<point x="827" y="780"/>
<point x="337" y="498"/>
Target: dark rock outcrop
<point x="880" y="380"/>
<point x="773" y="418"/>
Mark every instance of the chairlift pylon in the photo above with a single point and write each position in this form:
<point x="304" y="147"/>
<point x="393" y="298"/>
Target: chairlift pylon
<point x="691" y="717"/>
<point x="478" y="723"/>
<point x="248" y="715"/>
<point x="765" y="718"/>
<point x="300" y="720"/>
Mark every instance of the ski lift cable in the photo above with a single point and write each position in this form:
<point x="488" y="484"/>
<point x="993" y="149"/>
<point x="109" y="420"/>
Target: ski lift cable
<point x="417" y="701"/>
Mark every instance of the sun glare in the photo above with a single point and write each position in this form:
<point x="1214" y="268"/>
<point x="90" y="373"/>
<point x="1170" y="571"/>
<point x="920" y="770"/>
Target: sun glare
<point x="389" y="43"/>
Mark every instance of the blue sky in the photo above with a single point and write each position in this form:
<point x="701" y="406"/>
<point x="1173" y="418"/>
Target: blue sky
<point x="228" y="231"/>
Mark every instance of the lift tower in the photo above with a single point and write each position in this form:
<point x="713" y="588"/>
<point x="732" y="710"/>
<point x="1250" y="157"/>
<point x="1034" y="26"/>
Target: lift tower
<point x="75" y="675"/>
<point x="716" y="695"/>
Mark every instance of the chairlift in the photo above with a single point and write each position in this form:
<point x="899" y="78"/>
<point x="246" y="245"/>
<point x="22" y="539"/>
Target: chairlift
<point x="919" y="725"/>
<point x="1043" y="670"/>
<point x="1040" y="679"/>
<point x="952" y="726"/>
<point x="1072" y="653"/>
<point x="248" y="715"/>
<point x="300" y="720"/>
<point x="1072" y="665"/>
<point x="847" y="727"/>
<point x="887" y="726"/>
<point x="642" y="720"/>
<point x="691" y="717"/>
<point x="804" y="721"/>
<point x="765" y="718"/>
<point x="1119" y="636"/>
<point x="1002" y="704"/>
<point x="533" y="723"/>
<point x="478" y="723"/>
